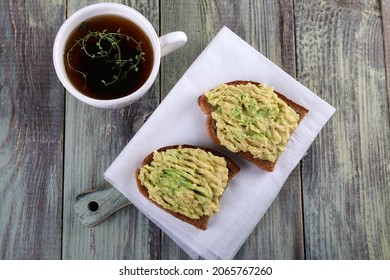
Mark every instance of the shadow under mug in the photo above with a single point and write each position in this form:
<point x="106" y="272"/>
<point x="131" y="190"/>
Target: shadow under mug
<point x="161" y="46"/>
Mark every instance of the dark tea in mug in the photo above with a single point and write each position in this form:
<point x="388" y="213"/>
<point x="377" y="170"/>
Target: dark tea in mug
<point x="108" y="57"/>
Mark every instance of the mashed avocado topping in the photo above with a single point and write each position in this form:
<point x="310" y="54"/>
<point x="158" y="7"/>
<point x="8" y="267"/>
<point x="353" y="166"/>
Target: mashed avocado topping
<point x="252" y="118"/>
<point x="188" y="181"/>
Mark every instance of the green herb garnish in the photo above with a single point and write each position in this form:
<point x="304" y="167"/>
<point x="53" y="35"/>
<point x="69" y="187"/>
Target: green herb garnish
<point x="108" y="46"/>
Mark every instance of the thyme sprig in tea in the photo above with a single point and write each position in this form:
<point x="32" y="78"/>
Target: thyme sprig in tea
<point x="107" y="46"/>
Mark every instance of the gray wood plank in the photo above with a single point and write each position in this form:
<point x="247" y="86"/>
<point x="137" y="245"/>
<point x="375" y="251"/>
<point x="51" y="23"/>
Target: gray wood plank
<point x="346" y="172"/>
<point x="269" y="27"/>
<point x="385" y="9"/>
<point x="31" y="131"/>
<point x="93" y="139"/>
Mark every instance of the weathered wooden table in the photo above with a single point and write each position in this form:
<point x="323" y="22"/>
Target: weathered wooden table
<point x="336" y="203"/>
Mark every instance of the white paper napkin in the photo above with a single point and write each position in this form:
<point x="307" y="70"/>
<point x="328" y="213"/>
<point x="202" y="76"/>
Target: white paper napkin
<point x="178" y="120"/>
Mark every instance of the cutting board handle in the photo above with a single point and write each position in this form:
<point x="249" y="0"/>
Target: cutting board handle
<point x="94" y="206"/>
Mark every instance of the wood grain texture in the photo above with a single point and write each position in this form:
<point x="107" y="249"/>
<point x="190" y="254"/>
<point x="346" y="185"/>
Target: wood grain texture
<point x="269" y="27"/>
<point x="93" y="139"/>
<point x="346" y="172"/>
<point x="385" y="10"/>
<point x="31" y="131"/>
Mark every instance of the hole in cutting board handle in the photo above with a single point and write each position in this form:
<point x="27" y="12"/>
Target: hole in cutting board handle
<point x="93" y="206"/>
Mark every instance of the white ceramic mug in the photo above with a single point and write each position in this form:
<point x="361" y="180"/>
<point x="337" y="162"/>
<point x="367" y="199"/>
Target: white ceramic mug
<point x="161" y="46"/>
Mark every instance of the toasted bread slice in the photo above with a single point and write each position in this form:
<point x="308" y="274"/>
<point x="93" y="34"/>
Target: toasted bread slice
<point x="202" y="222"/>
<point x="207" y="108"/>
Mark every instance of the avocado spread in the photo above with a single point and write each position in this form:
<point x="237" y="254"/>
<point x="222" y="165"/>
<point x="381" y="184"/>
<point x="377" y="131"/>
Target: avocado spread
<point x="252" y="118"/>
<point x="188" y="181"/>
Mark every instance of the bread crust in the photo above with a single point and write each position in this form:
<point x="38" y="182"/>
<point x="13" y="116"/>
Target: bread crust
<point x="202" y="222"/>
<point x="207" y="108"/>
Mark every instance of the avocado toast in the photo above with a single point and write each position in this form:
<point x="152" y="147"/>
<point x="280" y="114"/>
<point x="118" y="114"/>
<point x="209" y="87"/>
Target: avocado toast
<point x="251" y="119"/>
<point x="186" y="181"/>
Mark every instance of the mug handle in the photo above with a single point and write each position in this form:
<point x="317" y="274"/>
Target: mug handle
<point x="172" y="41"/>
